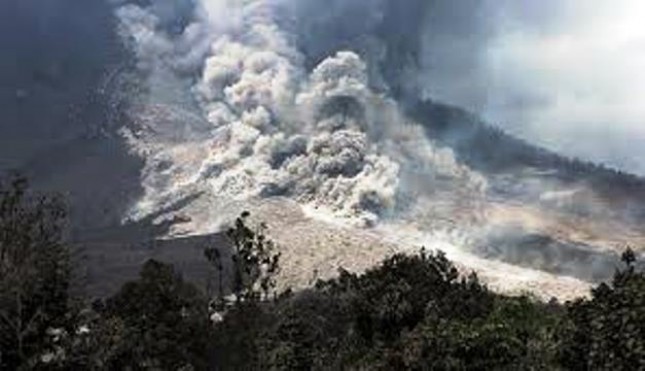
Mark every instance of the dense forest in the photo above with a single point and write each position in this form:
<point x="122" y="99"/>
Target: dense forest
<point x="411" y="312"/>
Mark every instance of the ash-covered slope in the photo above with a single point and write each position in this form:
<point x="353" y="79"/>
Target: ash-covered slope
<point x="264" y="110"/>
<point x="587" y="204"/>
<point x="492" y="151"/>
<point x="314" y="123"/>
<point x="559" y="214"/>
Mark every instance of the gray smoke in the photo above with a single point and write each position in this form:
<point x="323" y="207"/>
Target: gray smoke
<point x="563" y="74"/>
<point x="249" y="100"/>
<point x="323" y="137"/>
<point x="566" y="75"/>
<point x="240" y="101"/>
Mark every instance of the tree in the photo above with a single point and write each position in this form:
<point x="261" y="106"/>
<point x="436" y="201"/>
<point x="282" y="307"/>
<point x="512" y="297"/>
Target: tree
<point x="608" y="331"/>
<point x="34" y="274"/>
<point x="411" y="312"/>
<point x="254" y="262"/>
<point x="252" y="266"/>
<point x="159" y="322"/>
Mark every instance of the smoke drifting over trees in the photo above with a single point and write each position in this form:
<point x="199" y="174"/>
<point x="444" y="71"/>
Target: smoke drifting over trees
<point x="187" y="110"/>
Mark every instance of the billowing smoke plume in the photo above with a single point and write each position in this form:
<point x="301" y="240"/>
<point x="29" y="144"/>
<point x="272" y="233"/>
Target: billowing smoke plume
<point x="271" y="126"/>
<point x="565" y="74"/>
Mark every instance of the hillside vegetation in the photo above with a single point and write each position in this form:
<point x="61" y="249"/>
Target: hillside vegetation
<point x="410" y="312"/>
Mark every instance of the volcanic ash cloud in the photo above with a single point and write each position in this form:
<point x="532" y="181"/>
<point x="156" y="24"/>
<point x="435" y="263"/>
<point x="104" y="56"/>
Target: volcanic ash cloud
<point x="322" y="137"/>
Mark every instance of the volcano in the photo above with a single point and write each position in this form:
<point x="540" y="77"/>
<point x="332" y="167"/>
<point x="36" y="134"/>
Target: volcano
<point x="162" y="121"/>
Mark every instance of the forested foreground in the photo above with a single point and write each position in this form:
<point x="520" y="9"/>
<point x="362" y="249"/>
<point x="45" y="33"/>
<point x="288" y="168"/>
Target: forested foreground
<point x="411" y="312"/>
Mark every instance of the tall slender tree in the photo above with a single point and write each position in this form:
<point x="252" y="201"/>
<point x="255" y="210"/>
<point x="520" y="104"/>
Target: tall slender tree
<point x="34" y="274"/>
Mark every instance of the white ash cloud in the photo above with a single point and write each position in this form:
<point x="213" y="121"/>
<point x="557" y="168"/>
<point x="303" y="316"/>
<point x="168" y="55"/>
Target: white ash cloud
<point x="564" y="74"/>
<point x="323" y="138"/>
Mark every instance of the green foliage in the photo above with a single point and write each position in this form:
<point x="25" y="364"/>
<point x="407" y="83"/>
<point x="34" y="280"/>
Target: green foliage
<point x="518" y="334"/>
<point x="252" y="265"/>
<point x="608" y="331"/>
<point x="235" y="339"/>
<point x="34" y="275"/>
<point x="253" y="262"/>
<point x="159" y="322"/>
<point x="411" y="312"/>
<point x="397" y="295"/>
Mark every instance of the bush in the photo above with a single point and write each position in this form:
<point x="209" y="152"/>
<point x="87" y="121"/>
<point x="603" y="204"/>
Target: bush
<point x="608" y="331"/>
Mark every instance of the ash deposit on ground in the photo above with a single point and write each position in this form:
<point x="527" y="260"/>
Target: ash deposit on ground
<point x="336" y="124"/>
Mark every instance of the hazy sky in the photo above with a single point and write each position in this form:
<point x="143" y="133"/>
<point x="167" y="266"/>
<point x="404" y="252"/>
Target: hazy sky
<point x="566" y="74"/>
<point x="569" y="74"/>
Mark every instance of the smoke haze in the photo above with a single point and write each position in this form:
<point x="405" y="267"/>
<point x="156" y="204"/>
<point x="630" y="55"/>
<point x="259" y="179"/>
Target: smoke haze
<point x="234" y="104"/>
<point x="565" y="74"/>
<point x="273" y="127"/>
<point x="568" y="75"/>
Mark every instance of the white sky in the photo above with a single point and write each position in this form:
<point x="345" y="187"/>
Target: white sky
<point x="569" y="74"/>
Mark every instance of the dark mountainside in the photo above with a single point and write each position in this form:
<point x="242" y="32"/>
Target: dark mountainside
<point x="393" y="42"/>
<point x="62" y="106"/>
<point x="63" y="103"/>
<point x="491" y="151"/>
<point x="517" y="171"/>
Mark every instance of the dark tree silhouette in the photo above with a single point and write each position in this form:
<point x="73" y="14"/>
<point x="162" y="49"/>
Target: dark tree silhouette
<point x="34" y="274"/>
<point x="254" y="262"/>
